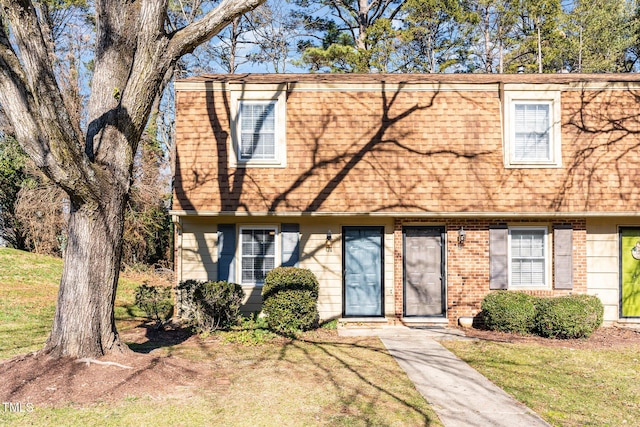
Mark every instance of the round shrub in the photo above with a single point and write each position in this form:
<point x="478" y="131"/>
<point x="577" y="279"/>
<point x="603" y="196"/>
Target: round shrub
<point x="211" y="305"/>
<point x="291" y="310"/>
<point x="289" y="278"/>
<point x="290" y="300"/>
<point x="572" y="316"/>
<point x="509" y="311"/>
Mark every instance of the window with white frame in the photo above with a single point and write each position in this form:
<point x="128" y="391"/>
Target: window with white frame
<point x="532" y="129"/>
<point x="257" y="130"/>
<point x="532" y="140"/>
<point x="528" y="258"/>
<point x="258" y="133"/>
<point x="257" y="253"/>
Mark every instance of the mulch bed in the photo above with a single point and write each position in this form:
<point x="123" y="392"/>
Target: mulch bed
<point x="602" y="338"/>
<point x="43" y="381"/>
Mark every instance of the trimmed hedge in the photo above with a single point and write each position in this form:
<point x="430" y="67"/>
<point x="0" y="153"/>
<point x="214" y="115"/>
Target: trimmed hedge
<point x="509" y="311"/>
<point x="211" y="305"/>
<point x="289" y="278"/>
<point x="290" y="300"/>
<point x="290" y="311"/>
<point x="572" y="316"/>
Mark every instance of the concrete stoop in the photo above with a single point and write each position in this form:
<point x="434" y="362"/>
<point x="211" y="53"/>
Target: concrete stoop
<point x="627" y="324"/>
<point x="367" y="327"/>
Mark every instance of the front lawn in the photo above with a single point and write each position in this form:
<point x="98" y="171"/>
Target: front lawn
<point x="566" y="386"/>
<point x="233" y="378"/>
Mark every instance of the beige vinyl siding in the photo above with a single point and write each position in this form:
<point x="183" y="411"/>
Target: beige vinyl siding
<point x="603" y="263"/>
<point x="327" y="265"/>
<point x="198" y="256"/>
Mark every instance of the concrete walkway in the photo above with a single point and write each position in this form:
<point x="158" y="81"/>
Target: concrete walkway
<point x="457" y="392"/>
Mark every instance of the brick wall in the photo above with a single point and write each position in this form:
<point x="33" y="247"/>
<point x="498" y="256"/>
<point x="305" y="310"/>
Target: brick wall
<point x="467" y="266"/>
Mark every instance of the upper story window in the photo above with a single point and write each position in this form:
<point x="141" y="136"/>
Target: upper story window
<point x="257" y="130"/>
<point x="258" y="133"/>
<point x="532" y="129"/>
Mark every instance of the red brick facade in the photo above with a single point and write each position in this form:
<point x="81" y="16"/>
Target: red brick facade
<point x="467" y="265"/>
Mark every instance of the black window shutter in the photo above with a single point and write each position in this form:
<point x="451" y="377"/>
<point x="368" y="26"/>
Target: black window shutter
<point x="563" y="256"/>
<point x="290" y="245"/>
<point x="227" y="252"/>
<point x="498" y="257"/>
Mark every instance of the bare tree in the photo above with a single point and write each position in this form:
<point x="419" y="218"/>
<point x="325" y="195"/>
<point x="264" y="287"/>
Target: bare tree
<point x="133" y="52"/>
<point x="274" y="31"/>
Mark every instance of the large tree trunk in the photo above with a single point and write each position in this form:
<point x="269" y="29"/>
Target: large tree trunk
<point x="132" y="55"/>
<point x="84" y="322"/>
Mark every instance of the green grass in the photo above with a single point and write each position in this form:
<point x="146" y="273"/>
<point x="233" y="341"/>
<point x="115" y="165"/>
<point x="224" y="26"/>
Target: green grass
<point x="29" y="288"/>
<point x="319" y="379"/>
<point x="567" y="387"/>
<point x="28" y="285"/>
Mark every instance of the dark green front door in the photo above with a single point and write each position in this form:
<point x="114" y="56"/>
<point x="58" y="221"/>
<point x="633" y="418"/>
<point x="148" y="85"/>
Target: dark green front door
<point x="630" y="272"/>
<point x="363" y="271"/>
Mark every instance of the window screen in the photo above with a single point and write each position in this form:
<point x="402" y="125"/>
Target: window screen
<point x="532" y="138"/>
<point x="528" y="258"/>
<point x="258" y="254"/>
<point x="257" y="130"/>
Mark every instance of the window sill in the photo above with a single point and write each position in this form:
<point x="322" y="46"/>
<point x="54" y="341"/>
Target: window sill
<point x="259" y="164"/>
<point x="533" y="165"/>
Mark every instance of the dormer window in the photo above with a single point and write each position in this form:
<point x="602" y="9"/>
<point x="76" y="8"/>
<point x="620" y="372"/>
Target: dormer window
<point x="258" y="133"/>
<point x="257" y="122"/>
<point x="532" y="129"/>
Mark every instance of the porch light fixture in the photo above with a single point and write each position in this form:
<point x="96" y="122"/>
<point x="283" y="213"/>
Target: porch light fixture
<point x="462" y="235"/>
<point x="328" y="242"/>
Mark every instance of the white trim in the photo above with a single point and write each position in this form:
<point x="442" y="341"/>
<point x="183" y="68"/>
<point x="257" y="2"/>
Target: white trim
<point x="277" y="255"/>
<point x="530" y="97"/>
<point x="402" y="215"/>
<point x="270" y="93"/>
<point x="488" y="84"/>
<point x="547" y="258"/>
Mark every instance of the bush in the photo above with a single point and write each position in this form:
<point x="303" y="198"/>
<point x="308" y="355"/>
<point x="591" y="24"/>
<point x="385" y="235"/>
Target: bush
<point x="290" y="311"/>
<point x="156" y="302"/>
<point x="289" y="278"/>
<point x="572" y="316"/>
<point x="290" y="299"/>
<point x="209" y="306"/>
<point x="509" y="311"/>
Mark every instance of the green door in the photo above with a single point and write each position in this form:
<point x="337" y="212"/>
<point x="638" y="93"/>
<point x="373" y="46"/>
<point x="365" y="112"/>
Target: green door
<point x="362" y="271"/>
<point x="630" y="272"/>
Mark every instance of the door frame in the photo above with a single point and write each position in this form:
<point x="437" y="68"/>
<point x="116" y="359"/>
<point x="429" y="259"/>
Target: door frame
<point x="620" y="230"/>
<point x="379" y="228"/>
<point x="443" y="269"/>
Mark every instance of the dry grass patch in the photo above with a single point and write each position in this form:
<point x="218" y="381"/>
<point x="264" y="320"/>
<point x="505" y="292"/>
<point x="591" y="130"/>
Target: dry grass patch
<point x="234" y="378"/>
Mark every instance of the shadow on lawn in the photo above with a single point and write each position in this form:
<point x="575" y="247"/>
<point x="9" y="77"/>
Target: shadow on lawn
<point x="159" y="338"/>
<point x="370" y="369"/>
<point x="361" y="375"/>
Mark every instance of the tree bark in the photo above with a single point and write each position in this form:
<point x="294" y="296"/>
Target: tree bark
<point x="84" y="324"/>
<point x="133" y="54"/>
